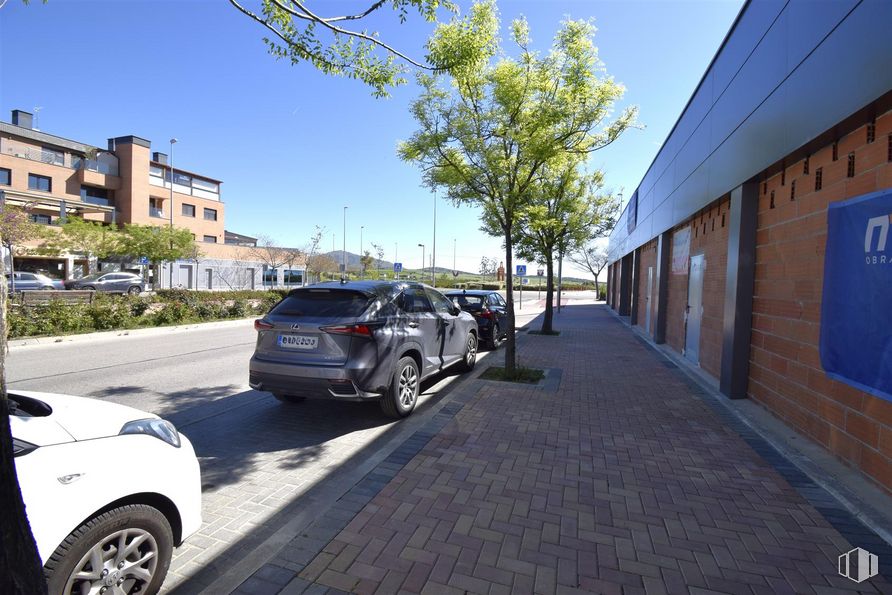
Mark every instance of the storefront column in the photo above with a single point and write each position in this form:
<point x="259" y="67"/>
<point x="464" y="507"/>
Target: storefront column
<point x="636" y="277"/>
<point x="739" y="285"/>
<point x="625" y="286"/>
<point x="664" y="243"/>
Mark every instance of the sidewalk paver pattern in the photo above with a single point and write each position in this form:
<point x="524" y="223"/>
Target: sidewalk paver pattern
<point x="620" y="481"/>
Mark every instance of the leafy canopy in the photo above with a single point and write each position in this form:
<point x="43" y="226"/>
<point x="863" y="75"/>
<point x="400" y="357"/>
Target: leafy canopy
<point x="300" y="32"/>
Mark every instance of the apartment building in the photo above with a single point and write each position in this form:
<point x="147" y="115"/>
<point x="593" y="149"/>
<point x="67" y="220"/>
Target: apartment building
<point x="126" y="182"/>
<point x="755" y="245"/>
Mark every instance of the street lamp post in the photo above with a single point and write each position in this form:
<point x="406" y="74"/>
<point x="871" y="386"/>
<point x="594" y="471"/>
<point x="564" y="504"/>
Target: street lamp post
<point x="422" y="259"/>
<point x="170" y="206"/>
<point x="434" y="249"/>
<point x="344" y="250"/>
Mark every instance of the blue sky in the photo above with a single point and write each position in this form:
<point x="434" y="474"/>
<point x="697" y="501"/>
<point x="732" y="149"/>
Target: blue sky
<point x="293" y="146"/>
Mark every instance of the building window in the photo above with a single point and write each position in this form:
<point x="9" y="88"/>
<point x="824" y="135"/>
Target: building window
<point x="793" y="190"/>
<point x="188" y="210"/>
<point x="210" y="214"/>
<point x="871" y="132"/>
<point x="155" y="209"/>
<point x="42" y="183"/>
<point x="95" y="196"/>
<point x="52" y="156"/>
<point x="835" y="151"/>
<point x="805" y="167"/>
<point x="41" y="218"/>
<point x="850" y="172"/>
<point x="5" y="176"/>
<point x="210" y="239"/>
<point x="292" y="277"/>
<point x="819" y="178"/>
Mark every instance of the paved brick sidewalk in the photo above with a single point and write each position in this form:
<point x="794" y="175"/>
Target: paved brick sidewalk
<point x="620" y="480"/>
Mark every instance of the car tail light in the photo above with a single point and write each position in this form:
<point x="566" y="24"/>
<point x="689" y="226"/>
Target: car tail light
<point x="488" y="314"/>
<point x="262" y="325"/>
<point x="355" y="330"/>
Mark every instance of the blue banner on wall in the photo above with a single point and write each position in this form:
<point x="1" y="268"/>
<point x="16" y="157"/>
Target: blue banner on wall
<point x="856" y="311"/>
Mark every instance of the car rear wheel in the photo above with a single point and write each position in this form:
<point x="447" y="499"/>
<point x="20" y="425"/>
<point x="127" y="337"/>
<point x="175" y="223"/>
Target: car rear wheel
<point x="496" y="339"/>
<point x="125" y="550"/>
<point x="470" y="356"/>
<point x="401" y="396"/>
<point x="289" y="398"/>
<point x="89" y="288"/>
<point x="134" y="290"/>
<point x="46" y="288"/>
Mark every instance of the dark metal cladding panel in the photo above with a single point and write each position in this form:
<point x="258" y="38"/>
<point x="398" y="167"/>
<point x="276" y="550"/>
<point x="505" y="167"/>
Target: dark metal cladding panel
<point x="786" y="73"/>
<point x="757" y="17"/>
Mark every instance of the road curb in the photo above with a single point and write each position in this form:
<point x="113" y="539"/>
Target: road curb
<point x="137" y="332"/>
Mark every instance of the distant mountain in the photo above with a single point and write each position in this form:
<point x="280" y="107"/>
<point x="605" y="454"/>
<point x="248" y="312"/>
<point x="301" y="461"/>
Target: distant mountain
<point x="353" y="260"/>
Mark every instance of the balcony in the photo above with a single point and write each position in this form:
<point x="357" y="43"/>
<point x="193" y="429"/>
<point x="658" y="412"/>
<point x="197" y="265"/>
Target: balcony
<point x="153" y="212"/>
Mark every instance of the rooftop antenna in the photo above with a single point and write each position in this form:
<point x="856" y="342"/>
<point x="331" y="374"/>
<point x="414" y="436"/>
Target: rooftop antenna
<point x="37" y="109"/>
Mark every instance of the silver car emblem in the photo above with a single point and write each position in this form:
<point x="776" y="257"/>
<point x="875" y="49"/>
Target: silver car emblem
<point x="295" y="326"/>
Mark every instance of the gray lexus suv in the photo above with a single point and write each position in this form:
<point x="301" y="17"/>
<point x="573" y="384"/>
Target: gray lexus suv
<point x="361" y="340"/>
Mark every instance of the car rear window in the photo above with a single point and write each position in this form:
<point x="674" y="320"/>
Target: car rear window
<point x="467" y="302"/>
<point x="323" y="303"/>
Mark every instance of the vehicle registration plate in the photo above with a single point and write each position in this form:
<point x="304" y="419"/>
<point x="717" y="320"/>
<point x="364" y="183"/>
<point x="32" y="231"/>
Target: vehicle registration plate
<point x="298" y="342"/>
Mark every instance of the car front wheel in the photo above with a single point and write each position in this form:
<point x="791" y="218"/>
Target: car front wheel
<point x="134" y="290"/>
<point x="470" y="356"/>
<point x="400" y="398"/>
<point x="125" y="550"/>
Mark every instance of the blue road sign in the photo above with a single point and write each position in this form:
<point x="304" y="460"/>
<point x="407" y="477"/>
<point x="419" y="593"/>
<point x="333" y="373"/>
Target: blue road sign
<point x="397" y="267"/>
<point x="521" y="270"/>
<point x="143" y="260"/>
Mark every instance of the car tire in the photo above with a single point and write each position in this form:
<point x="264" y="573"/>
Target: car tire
<point x="88" y="288"/>
<point x="289" y="398"/>
<point x="134" y="290"/>
<point x="495" y="338"/>
<point x="100" y="536"/>
<point x="469" y="359"/>
<point x="402" y="394"/>
<point x="46" y="288"/>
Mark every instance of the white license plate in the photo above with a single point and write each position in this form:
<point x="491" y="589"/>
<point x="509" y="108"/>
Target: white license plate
<point x="298" y="342"/>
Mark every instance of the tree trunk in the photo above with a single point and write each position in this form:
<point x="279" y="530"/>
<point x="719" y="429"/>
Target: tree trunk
<point x="548" y="319"/>
<point x="597" y="289"/>
<point x="560" y="278"/>
<point x="20" y="568"/>
<point x="510" y="346"/>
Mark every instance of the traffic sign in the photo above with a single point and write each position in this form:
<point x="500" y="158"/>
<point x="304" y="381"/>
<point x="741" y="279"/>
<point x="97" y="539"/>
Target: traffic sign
<point x="521" y="270"/>
<point x="397" y="267"/>
<point x="455" y="273"/>
<point x="143" y="260"/>
<point x="525" y="281"/>
<point x="540" y="272"/>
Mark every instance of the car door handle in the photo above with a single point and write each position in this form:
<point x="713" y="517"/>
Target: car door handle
<point x="413" y="325"/>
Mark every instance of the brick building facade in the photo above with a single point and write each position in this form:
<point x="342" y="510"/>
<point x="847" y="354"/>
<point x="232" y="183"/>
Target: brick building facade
<point x="746" y="239"/>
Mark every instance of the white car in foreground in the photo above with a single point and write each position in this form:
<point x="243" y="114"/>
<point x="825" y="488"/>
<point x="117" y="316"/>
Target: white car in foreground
<point x="109" y="491"/>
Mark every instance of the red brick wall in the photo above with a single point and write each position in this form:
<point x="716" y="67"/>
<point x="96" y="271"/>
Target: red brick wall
<point x="709" y="236"/>
<point x="785" y="368"/>
<point x="678" y="299"/>
<point x="648" y="258"/>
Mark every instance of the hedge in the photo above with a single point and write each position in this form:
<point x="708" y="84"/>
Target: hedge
<point x="114" y="312"/>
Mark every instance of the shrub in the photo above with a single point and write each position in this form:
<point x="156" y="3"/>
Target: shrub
<point x="237" y="309"/>
<point x="107" y="313"/>
<point x="173" y="312"/>
<point x="138" y="306"/>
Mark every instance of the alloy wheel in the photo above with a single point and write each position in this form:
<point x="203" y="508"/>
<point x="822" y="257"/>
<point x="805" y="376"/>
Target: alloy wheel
<point x="123" y="562"/>
<point x="408" y="386"/>
<point x="471" y="354"/>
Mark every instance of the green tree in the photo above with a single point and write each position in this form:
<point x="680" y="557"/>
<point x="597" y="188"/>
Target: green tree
<point x="90" y="238"/>
<point x="16" y="228"/>
<point x="365" y="261"/>
<point x="157" y="244"/>
<point x="22" y="571"/>
<point x="486" y="137"/>
<point x="379" y="256"/>
<point x="312" y="252"/>
<point x="301" y="32"/>
<point x="569" y="209"/>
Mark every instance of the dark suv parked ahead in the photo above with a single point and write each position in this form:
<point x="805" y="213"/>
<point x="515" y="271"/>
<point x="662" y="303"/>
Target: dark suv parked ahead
<point x="356" y="341"/>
